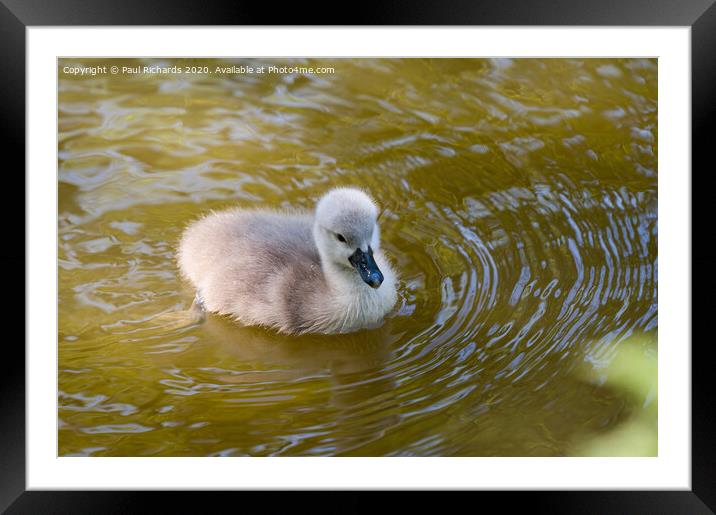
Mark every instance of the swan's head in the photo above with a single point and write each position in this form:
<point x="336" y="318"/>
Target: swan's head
<point x="347" y="234"/>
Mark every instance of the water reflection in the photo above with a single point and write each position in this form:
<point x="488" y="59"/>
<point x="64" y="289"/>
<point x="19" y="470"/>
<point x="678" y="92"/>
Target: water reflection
<point x="519" y="205"/>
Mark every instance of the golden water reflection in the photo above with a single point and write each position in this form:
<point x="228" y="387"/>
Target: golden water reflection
<point x="519" y="206"/>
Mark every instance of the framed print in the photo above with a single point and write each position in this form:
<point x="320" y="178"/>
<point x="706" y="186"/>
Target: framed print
<point x="422" y="257"/>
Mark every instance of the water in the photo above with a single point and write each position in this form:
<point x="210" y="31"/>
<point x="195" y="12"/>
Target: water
<point x="519" y="205"/>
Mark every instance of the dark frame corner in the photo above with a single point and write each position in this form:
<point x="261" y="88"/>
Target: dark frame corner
<point x="17" y="15"/>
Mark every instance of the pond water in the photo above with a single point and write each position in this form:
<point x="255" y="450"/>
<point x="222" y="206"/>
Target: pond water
<point x="519" y="205"/>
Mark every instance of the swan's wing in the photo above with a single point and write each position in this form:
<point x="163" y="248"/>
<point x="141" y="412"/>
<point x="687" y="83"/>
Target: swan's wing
<point x="242" y="261"/>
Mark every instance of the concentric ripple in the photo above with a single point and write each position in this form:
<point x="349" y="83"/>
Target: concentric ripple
<point x="519" y="206"/>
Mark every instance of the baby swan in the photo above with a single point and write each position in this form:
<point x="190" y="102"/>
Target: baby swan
<point x="294" y="271"/>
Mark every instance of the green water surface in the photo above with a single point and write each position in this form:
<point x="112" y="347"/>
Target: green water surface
<point x="519" y="206"/>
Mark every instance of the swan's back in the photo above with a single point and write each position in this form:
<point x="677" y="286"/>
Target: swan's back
<point x="252" y="264"/>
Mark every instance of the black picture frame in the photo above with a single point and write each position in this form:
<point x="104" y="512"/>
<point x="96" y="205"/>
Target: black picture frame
<point x="17" y="15"/>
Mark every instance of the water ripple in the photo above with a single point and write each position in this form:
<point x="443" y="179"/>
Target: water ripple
<point x="519" y="205"/>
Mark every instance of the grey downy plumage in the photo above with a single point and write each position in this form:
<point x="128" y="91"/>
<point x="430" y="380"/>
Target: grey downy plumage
<point x="294" y="271"/>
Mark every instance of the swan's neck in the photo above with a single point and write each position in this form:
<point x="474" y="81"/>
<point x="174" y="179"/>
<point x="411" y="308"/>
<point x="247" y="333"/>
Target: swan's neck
<point x="355" y="304"/>
<point x="343" y="280"/>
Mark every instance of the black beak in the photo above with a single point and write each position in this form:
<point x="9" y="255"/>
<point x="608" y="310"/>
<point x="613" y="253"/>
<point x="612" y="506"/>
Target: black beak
<point x="367" y="268"/>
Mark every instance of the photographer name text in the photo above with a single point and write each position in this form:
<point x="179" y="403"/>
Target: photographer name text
<point x="193" y="70"/>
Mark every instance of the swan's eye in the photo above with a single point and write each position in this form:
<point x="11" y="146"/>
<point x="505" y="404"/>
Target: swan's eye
<point x="340" y="238"/>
